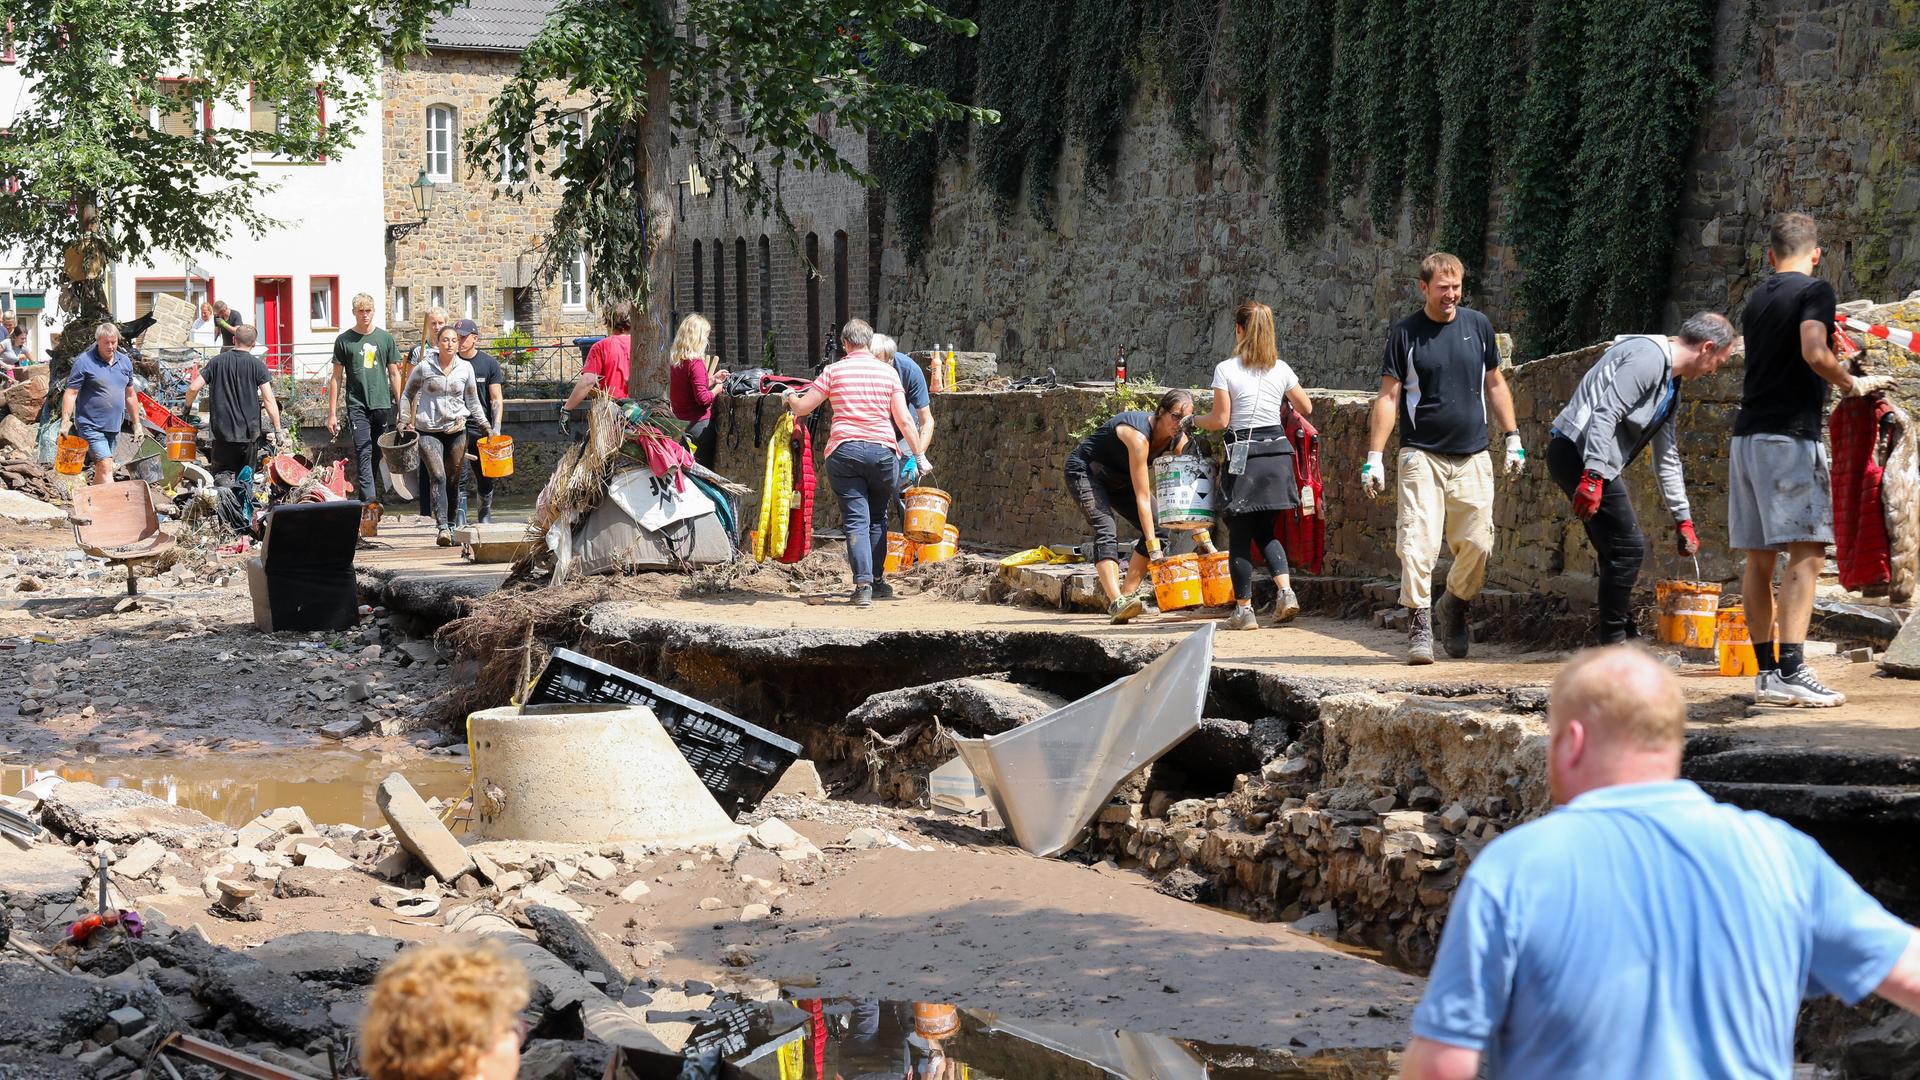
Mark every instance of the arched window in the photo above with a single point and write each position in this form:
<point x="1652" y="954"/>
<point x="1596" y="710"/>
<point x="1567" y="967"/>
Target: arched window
<point x="440" y="143"/>
<point x="766" y="294"/>
<point x="812" y="270"/>
<point x="841" y="310"/>
<point x="699" y="279"/>
<point x="720" y="302"/>
<point x="742" y="352"/>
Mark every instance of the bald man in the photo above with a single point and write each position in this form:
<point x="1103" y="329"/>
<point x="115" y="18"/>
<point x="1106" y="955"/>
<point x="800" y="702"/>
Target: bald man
<point x="1642" y="929"/>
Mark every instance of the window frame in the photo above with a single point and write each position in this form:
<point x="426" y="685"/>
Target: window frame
<point x="333" y="301"/>
<point x="203" y="120"/>
<point x="470" y="302"/>
<point x="573" y="283"/>
<point x="452" y="141"/>
<point x="320" y="119"/>
<point x="400" y="305"/>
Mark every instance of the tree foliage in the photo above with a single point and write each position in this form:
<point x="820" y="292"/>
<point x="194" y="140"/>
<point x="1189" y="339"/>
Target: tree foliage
<point x="91" y="173"/>
<point x="754" y="88"/>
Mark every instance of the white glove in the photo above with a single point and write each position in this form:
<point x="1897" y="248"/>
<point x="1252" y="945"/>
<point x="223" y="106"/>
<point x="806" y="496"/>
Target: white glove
<point x="1869" y="384"/>
<point x="1373" y="475"/>
<point x="921" y="464"/>
<point x="1516" y="457"/>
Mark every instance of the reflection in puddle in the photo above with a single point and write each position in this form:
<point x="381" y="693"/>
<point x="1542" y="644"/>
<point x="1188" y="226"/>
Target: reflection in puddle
<point x="894" y="1040"/>
<point x="336" y="787"/>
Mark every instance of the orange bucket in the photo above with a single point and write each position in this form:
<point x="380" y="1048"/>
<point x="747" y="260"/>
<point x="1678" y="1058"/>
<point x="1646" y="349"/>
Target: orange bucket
<point x="1216" y="580"/>
<point x="1176" y="583"/>
<point x="940" y="552"/>
<point x="180" y="445"/>
<point x="496" y="456"/>
<point x="926" y="514"/>
<point x="70" y="455"/>
<point x="370" y="514"/>
<point x="932" y="1021"/>
<point x="1734" y="645"/>
<point x="901" y="553"/>
<point x="1686" y="613"/>
<point x="950" y="535"/>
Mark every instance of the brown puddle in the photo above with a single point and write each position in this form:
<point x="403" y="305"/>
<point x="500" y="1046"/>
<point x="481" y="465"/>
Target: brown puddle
<point x="334" y="786"/>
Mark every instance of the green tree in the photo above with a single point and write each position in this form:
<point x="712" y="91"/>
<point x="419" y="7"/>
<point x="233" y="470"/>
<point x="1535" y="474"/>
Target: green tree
<point x="108" y="157"/>
<point x="750" y="87"/>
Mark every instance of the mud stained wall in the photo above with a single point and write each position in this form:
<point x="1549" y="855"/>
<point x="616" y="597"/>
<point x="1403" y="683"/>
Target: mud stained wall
<point x="1002" y="455"/>
<point x="1818" y="113"/>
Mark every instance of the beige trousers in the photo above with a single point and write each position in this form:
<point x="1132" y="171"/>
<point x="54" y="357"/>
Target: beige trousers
<point x="1444" y="497"/>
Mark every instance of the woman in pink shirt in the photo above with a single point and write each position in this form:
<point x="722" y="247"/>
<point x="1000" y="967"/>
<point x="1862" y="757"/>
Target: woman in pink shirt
<point x="861" y="463"/>
<point x="690" y="388"/>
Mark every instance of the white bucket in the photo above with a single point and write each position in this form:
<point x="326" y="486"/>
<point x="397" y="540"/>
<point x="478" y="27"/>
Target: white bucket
<point x="1183" y="492"/>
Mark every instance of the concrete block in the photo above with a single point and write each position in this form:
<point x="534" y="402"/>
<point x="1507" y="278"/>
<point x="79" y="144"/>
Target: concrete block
<point x="801" y="778"/>
<point x="419" y="831"/>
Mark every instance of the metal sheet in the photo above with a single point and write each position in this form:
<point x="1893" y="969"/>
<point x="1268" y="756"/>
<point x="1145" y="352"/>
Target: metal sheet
<point x="1130" y="1055"/>
<point x="1049" y="778"/>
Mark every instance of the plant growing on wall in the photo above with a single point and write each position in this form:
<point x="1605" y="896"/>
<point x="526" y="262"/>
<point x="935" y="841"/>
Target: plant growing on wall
<point x="110" y="157"/>
<point x="750" y="89"/>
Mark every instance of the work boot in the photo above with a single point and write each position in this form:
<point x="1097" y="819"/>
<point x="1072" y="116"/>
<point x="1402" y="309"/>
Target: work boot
<point x="445" y="538"/>
<point x="1452" y="612"/>
<point x="1285" y="606"/>
<point x="486" y="509"/>
<point x="1242" y="619"/>
<point x="1419" y="636"/>
<point x="1124" y="609"/>
<point x="863" y="596"/>
<point x="884" y="591"/>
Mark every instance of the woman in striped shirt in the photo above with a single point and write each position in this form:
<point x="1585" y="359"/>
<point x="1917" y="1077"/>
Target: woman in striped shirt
<point x="861" y="460"/>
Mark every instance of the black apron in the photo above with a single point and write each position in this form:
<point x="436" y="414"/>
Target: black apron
<point x="1268" y="483"/>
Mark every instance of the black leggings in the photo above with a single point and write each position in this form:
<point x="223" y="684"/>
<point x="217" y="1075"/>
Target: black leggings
<point x="1243" y="532"/>
<point x="706" y="441"/>
<point x="445" y="456"/>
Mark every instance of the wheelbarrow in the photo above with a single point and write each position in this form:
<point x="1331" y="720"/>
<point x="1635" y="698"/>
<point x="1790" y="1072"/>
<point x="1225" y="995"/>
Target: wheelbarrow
<point x="117" y="522"/>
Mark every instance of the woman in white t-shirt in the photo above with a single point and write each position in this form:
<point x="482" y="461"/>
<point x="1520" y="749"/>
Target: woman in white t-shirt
<point x="1251" y="390"/>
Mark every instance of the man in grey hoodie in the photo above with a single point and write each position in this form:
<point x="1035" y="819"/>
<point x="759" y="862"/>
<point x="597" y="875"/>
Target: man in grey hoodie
<point x="1628" y="399"/>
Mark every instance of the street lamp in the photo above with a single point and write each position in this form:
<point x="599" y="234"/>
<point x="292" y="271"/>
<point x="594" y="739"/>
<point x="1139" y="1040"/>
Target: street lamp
<point x="422" y="191"/>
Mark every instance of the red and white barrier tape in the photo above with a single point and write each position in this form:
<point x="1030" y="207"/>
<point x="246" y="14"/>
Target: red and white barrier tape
<point x="1893" y="334"/>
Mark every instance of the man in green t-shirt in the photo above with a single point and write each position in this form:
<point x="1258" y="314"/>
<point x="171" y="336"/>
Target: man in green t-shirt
<point x="367" y="362"/>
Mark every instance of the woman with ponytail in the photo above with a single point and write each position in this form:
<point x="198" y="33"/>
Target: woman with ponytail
<point x="1251" y="390"/>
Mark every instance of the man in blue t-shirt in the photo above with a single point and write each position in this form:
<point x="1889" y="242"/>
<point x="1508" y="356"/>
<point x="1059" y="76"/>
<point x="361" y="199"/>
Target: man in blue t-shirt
<point x="99" y="398"/>
<point x="914" y="465"/>
<point x="1642" y="929"/>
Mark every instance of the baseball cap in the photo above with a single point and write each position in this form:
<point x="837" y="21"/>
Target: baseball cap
<point x="465" y="327"/>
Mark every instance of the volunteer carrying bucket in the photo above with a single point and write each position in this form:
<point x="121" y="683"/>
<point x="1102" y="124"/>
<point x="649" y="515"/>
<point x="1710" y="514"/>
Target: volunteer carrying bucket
<point x="496" y="456"/>
<point x="1176" y="583"/>
<point x="926" y="514"/>
<point x="70" y="456"/>
<point x="1183" y="492"/>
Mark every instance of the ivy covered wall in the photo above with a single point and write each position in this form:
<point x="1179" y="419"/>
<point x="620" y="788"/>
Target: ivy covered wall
<point x="1157" y="163"/>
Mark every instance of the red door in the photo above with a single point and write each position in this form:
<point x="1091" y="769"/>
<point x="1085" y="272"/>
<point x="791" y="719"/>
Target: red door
<point x="273" y="315"/>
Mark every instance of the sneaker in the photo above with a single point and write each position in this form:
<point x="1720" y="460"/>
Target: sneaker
<point x="884" y="591"/>
<point x="1452" y="613"/>
<point x="1799" y="689"/>
<point x="445" y="539"/>
<point x="1124" y="609"/>
<point x="1242" y="619"/>
<point x="863" y="596"/>
<point x="1285" y="607"/>
<point x="1420" y="636"/>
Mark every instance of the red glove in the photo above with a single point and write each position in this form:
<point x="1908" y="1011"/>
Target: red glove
<point x="1586" y="497"/>
<point x="1689" y="540"/>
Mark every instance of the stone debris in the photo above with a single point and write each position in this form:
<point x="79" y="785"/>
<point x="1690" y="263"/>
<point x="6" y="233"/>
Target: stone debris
<point x="87" y="811"/>
<point x="140" y="859"/>
<point x="1902" y="658"/>
<point x="419" y="830"/>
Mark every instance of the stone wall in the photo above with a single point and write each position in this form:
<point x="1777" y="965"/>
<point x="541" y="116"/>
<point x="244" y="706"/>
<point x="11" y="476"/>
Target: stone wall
<point x="1823" y="115"/>
<point x="474" y="236"/>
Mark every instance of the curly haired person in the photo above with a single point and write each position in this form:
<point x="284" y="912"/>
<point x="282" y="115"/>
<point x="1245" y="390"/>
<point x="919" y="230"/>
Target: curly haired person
<point x="445" y="1012"/>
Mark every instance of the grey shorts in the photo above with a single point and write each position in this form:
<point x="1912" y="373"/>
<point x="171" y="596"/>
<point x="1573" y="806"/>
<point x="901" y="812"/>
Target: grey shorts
<point x="1778" y="493"/>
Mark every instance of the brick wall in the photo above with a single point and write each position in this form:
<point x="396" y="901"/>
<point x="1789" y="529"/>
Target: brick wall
<point x="1001" y="456"/>
<point x="471" y="238"/>
<point x="1820" y="117"/>
<point x="833" y="221"/>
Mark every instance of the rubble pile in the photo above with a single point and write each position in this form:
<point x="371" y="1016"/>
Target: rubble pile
<point x="1374" y="813"/>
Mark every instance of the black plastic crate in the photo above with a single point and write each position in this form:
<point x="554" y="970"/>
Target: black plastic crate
<point x="739" y="762"/>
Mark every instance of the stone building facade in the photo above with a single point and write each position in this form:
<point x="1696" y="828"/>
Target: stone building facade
<point x="1818" y="116"/>
<point x="477" y="253"/>
<point x="773" y="298"/>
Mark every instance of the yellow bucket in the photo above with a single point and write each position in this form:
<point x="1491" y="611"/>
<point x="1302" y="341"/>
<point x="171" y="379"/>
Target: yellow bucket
<point x="1216" y="579"/>
<point x="1176" y="583"/>
<point x="1734" y="645"/>
<point x="496" y="456"/>
<point x="926" y="514"/>
<point x="70" y="455"/>
<point x="901" y="553"/>
<point x="1686" y="612"/>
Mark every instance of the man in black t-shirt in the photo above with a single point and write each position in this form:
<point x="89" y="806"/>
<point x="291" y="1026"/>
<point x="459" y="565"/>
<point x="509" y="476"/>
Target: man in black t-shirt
<point x="1778" y="496"/>
<point x="491" y="380"/>
<point x="225" y="322"/>
<point x="240" y="388"/>
<point x="1439" y="380"/>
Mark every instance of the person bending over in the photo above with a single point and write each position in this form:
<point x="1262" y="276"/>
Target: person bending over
<point x="1107" y="475"/>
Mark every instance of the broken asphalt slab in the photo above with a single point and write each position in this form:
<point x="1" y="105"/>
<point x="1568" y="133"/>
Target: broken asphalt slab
<point x="42" y="874"/>
<point x="44" y="1011"/>
<point x="326" y="956"/>
<point x="86" y="811"/>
